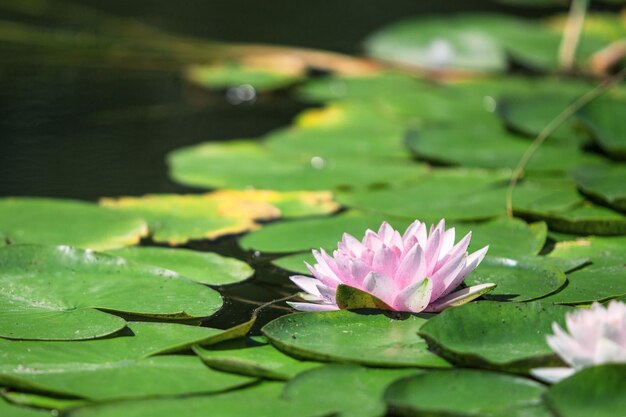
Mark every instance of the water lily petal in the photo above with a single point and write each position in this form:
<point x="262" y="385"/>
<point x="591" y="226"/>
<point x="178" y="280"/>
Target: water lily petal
<point x="551" y="375"/>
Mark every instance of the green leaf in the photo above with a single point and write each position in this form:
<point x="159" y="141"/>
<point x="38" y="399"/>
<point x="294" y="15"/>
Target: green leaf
<point x="481" y="145"/>
<point x="10" y="410"/>
<point x="372" y="339"/>
<point x="598" y="391"/>
<point x="203" y="267"/>
<point x="520" y="279"/>
<point x="437" y="196"/>
<point x="260" y="400"/>
<point x="486" y="334"/>
<point x="461" y="392"/>
<point x="258" y="360"/>
<point x="604" y="119"/>
<point x="242" y="164"/>
<point x="344" y="390"/>
<point x="75" y="223"/>
<point x="139" y="340"/>
<point x="349" y="298"/>
<point x="593" y="283"/>
<point x="157" y="376"/>
<point x="226" y="75"/>
<point x="604" y="183"/>
<point x="599" y="250"/>
<point x="58" y="293"/>
<point x="28" y="399"/>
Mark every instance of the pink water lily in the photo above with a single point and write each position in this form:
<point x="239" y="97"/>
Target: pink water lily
<point x="596" y="335"/>
<point x="417" y="271"/>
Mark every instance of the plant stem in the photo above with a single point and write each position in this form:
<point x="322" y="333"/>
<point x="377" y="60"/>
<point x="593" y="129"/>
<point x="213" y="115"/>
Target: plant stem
<point x="571" y="34"/>
<point x="568" y="112"/>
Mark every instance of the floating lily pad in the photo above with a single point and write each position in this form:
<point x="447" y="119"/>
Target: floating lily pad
<point x="483" y="146"/>
<point x="261" y="400"/>
<point x="28" y="399"/>
<point x="139" y="340"/>
<point x="455" y="194"/>
<point x="461" y="392"/>
<point x="593" y="283"/>
<point x="604" y="183"/>
<point x="344" y="390"/>
<point x="517" y="279"/>
<point x="243" y="164"/>
<point x="58" y="293"/>
<point x="175" y="219"/>
<point x="261" y="78"/>
<point x="206" y="268"/>
<point x="157" y="376"/>
<point x="349" y="113"/>
<point x="8" y="409"/>
<point x="599" y="250"/>
<point x="343" y="336"/>
<point x="604" y="119"/>
<point x="507" y="336"/>
<point x="260" y="360"/>
<point x="378" y="142"/>
<point x="599" y="391"/>
<point x="318" y="233"/>
<point x="68" y="222"/>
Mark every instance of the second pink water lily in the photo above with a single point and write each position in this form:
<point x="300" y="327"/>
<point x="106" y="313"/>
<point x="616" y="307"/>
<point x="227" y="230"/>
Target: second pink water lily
<point x="415" y="271"/>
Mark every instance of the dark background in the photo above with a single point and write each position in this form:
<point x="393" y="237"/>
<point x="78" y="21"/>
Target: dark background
<point x="91" y="130"/>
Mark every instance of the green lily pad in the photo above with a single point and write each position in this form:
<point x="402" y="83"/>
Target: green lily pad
<point x="58" y="293"/>
<point x="604" y="183"/>
<point x="343" y="336"/>
<point x="307" y="234"/>
<point x="593" y="283"/>
<point x="139" y="340"/>
<point x="487" y="334"/>
<point x="206" y="268"/>
<point x="222" y="76"/>
<point x="243" y="164"/>
<point x="258" y="360"/>
<point x="598" y="391"/>
<point x="484" y="146"/>
<point x="604" y="119"/>
<point x="68" y="222"/>
<point x="517" y="279"/>
<point x="437" y="196"/>
<point x="260" y="400"/>
<point x="8" y="409"/>
<point x="461" y="392"/>
<point x="599" y="250"/>
<point x="377" y="142"/>
<point x="28" y="399"/>
<point x="345" y="390"/>
<point x="350" y="298"/>
<point x="157" y="376"/>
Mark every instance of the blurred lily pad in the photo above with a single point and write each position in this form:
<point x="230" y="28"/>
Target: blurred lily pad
<point x="157" y="376"/>
<point x="593" y="283"/>
<point x="343" y="336"/>
<point x="490" y="146"/>
<point x="604" y="183"/>
<point x="59" y="293"/>
<point x="461" y="392"/>
<point x="203" y="267"/>
<point x="599" y="250"/>
<point x="243" y="164"/>
<point x="437" y="195"/>
<point x="604" y="119"/>
<point x="139" y="340"/>
<point x="8" y="409"/>
<point x="598" y="391"/>
<point x="345" y="390"/>
<point x="487" y="334"/>
<point x="257" y="360"/>
<point x="175" y="219"/>
<point x="517" y="279"/>
<point x="29" y="399"/>
<point x="69" y="222"/>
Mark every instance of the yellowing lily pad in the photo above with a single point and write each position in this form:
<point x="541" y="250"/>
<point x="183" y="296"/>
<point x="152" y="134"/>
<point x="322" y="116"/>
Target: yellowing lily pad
<point x="68" y="222"/>
<point x="61" y="293"/>
<point x="245" y="164"/>
<point x="175" y="219"/>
